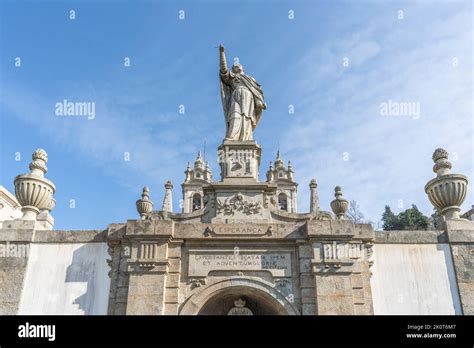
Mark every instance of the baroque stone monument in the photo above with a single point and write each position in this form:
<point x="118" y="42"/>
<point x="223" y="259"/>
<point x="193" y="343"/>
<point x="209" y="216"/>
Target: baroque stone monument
<point x="239" y="246"/>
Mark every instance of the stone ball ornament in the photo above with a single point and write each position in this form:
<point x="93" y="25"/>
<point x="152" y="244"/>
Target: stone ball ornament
<point x="447" y="191"/>
<point x="144" y="204"/>
<point x="339" y="205"/>
<point x="33" y="191"/>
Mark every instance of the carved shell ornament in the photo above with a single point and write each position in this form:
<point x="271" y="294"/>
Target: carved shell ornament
<point x="238" y="204"/>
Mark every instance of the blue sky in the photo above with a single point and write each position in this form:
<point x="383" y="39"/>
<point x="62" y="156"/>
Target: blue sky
<point x="335" y="135"/>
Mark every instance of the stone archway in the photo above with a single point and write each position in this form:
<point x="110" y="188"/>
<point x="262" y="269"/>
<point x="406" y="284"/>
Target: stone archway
<point x="259" y="296"/>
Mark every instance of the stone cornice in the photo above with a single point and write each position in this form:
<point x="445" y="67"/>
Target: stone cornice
<point x="10" y="198"/>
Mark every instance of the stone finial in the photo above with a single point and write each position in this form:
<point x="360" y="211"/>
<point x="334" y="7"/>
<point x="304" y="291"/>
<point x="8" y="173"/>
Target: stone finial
<point x="188" y="172"/>
<point x="314" y="197"/>
<point x="33" y="191"/>
<point x="38" y="165"/>
<point x="168" y="200"/>
<point x="207" y="172"/>
<point x="199" y="163"/>
<point x="442" y="165"/>
<point x="278" y="161"/>
<point x="290" y="171"/>
<point x="447" y="191"/>
<point x="270" y="173"/>
<point x="339" y="205"/>
<point x="145" y="205"/>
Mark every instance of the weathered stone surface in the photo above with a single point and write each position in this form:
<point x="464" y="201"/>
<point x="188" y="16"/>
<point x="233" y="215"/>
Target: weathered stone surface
<point x="410" y="237"/>
<point x="308" y="309"/>
<point x="156" y="228"/>
<point x="70" y="236"/>
<point x="466" y="290"/>
<point x="333" y="285"/>
<point x="13" y="264"/>
<point x="463" y="257"/>
<point x="307" y="281"/>
<point x="146" y="294"/>
<point x="339" y="229"/>
<point x="335" y="305"/>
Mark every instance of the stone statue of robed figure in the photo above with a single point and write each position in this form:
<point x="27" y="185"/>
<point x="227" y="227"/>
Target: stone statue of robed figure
<point x="242" y="99"/>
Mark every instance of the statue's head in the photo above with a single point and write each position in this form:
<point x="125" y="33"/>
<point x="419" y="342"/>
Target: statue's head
<point x="237" y="68"/>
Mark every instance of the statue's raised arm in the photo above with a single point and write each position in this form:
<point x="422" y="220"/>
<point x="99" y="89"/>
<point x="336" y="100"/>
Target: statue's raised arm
<point x="242" y="100"/>
<point x="222" y="60"/>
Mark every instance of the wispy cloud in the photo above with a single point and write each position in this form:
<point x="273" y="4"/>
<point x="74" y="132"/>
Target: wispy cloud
<point x="388" y="157"/>
<point x="132" y="148"/>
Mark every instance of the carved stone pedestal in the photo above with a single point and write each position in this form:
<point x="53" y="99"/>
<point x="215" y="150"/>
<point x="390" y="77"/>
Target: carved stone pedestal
<point x="239" y="159"/>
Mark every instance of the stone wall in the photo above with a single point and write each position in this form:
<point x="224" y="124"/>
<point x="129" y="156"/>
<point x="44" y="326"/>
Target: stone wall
<point x="461" y="237"/>
<point x="52" y="272"/>
<point x="414" y="279"/>
<point x="76" y="272"/>
<point x="66" y="278"/>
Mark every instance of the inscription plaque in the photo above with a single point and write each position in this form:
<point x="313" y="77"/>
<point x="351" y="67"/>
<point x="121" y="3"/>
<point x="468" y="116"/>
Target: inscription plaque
<point x="241" y="229"/>
<point x="276" y="262"/>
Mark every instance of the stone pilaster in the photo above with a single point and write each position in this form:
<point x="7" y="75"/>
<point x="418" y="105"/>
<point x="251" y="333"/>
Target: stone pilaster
<point x="15" y="241"/>
<point x="306" y="278"/>
<point x="141" y="261"/>
<point x="172" y="298"/>
<point x="461" y="240"/>
<point x="340" y="266"/>
<point x="119" y="251"/>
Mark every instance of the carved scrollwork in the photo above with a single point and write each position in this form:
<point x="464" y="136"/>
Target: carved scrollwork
<point x="269" y="231"/>
<point x="323" y="216"/>
<point x="208" y="231"/>
<point x="282" y="282"/>
<point x="197" y="282"/>
<point x="269" y="200"/>
<point x="370" y="255"/>
<point x="237" y="203"/>
<point x="111" y="251"/>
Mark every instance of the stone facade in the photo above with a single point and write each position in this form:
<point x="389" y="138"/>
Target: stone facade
<point x="240" y="252"/>
<point x="239" y="245"/>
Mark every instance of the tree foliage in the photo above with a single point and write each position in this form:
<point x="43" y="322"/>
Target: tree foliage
<point x="410" y="219"/>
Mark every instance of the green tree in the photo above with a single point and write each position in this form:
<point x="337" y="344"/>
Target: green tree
<point x="413" y="219"/>
<point x="437" y="219"/>
<point x="410" y="219"/>
<point x="389" y="219"/>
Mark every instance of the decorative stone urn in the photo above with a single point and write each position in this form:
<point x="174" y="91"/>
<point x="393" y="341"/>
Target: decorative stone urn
<point x="144" y="205"/>
<point x="340" y="204"/>
<point x="51" y="205"/>
<point x="447" y="191"/>
<point x="33" y="191"/>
